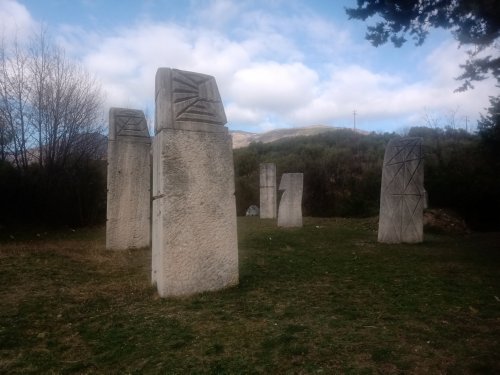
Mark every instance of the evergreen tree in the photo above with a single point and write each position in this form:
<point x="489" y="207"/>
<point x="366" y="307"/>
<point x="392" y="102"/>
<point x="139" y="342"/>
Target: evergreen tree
<point x="474" y="23"/>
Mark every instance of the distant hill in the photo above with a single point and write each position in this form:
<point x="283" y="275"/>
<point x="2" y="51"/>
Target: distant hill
<point x="243" y="139"/>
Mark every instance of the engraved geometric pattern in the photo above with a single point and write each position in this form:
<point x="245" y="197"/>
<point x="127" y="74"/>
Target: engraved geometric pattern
<point x="402" y="188"/>
<point x="196" y="98"/>
<point x="131" y="123"/>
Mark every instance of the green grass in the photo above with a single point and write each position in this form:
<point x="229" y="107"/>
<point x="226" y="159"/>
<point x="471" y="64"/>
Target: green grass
<point x="326" y="298"/>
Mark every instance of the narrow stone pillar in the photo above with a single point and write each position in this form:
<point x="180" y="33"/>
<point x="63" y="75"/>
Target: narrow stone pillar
<point x="290" y="209"/>
<point x="268" y="191"/>
<point x="129" y="171"/>
<point x="402" y="193"/>
<point x="194" y="211"/>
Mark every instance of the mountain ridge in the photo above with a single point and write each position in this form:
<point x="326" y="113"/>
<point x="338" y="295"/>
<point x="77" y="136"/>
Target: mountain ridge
<point x="243" y="138"/>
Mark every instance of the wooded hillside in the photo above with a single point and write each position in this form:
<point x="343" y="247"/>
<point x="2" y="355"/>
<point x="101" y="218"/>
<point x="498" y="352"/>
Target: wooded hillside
<point x="342" y="173"/>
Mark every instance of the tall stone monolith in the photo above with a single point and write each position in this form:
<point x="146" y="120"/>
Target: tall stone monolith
<point x="290" y="209"/>
<point x="402" y="194"/>
<point x="268" y="191"/>
<point x="194" y="211"/>
<point x="128" y="222"/>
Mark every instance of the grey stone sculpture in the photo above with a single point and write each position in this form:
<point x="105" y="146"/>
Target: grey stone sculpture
<point x="129" y="179"/>
<point x="268" y="191"/>
<point x="194" y="244"/>
<point x="290" y="209"/>
<point x="402" y="195"/>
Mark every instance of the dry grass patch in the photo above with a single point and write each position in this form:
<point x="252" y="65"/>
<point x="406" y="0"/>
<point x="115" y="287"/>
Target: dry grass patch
<point x="326" y="298"/>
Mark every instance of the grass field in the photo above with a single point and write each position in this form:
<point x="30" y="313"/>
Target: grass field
<point x="326" y="298"/>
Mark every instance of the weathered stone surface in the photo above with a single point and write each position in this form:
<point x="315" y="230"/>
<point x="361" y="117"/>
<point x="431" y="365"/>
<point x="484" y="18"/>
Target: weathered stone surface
<point x="290" y="209"/>
<point x="188" y="101"/>
<point x="194" y="211"/>
<point x="402" y="194"/>
<point x="129" y="178"/>
<point x="268" y="191"/>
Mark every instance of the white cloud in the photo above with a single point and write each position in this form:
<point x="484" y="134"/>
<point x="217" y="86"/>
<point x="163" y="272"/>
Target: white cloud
<point x="126" y="62"/>
<point x="274" y="87"/>
<point x="273" y="68"/>
<point x="444" y="66"/>
<point x="15" y="20"/>
<point x="381" y="96"/>
<point x="239" y="114"/>
<point x="216" y="12"/>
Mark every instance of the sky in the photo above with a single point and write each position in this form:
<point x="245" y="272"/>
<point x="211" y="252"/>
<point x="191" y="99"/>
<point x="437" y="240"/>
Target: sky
<point x="277" y="63"/>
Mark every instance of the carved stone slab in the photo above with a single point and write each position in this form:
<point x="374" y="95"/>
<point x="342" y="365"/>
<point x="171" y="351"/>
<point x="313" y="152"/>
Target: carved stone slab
<point x="194" y="212"/>
<point x="189" y="101"/>
<point x="129" y="174"/>
<point x="290" y="209"/>
<point x="129" y="123"/>
<point x="268" y="191"/>
<point x="402" y="194"/>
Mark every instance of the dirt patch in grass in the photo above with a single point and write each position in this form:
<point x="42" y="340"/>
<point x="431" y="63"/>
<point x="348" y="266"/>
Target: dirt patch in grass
<point x="444" y="221"/>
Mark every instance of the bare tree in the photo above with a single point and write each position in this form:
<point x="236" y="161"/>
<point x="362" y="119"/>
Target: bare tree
<point x="14" y="99"/>
<point x="5" y="139"/>
<point x="39" y="72"/>
<point x="50" y="104"/>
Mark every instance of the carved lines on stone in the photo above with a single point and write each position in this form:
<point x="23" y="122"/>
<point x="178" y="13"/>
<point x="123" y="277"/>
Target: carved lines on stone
<point x="402" y="192"/>
<point x="131" y="123"/>
<point x="407" y="159"/>
<point x="196" y="98"/>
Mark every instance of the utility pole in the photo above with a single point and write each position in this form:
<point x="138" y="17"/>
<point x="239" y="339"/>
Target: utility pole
<point x="354" y="114"/>
<point x="466" y="125"/>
